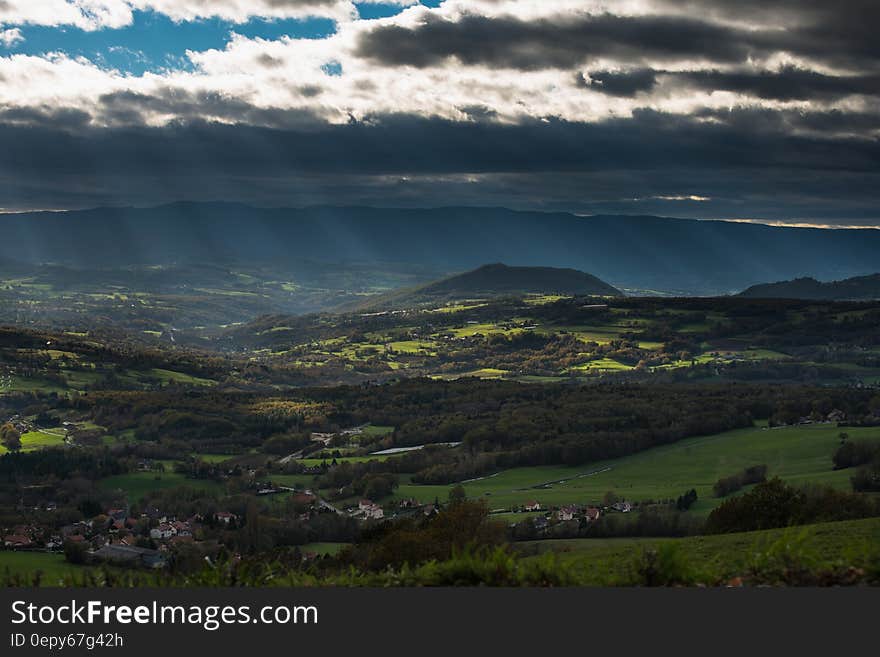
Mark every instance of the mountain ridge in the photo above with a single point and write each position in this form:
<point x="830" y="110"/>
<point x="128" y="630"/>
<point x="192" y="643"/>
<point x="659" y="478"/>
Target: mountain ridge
<point x="496" y="280"/>
<point x="683" y="256"/>
<point x="859" y="288"/>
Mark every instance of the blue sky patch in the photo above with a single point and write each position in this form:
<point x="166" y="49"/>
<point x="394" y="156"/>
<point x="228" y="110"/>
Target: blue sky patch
<point x="155" y="43"/>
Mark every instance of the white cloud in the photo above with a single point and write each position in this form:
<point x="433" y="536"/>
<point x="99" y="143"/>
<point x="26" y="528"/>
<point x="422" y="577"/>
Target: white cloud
<point x="84" y="14"/>
<point x="102" y="14"/>
<point x="11" y="37"/>
<point x="288" y="74"/>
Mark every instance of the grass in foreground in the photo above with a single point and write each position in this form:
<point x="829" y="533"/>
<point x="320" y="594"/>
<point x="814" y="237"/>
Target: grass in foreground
<point x="604" y="562"/>
<point x="50" y="568"/>
<point x="837" y="553"/>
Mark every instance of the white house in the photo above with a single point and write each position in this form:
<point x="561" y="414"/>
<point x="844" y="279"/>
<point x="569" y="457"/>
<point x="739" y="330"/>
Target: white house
<point x="163" y="532"/>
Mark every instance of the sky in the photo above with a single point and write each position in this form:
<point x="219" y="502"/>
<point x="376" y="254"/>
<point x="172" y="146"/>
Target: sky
<point x="759" y="110"/>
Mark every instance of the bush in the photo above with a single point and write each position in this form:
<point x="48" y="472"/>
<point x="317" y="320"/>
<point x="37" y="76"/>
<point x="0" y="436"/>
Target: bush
<point x="752" y="475"/>
<point x="774" y="504"/>
<point x="851" y="454"/>
<point x="664" y="565"/>
<point x="867" y="480"/>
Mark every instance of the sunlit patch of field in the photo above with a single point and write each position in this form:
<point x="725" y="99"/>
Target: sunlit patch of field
<point x="485" y="373"/>
<point x="458" y="307"/>
<point x="35" y="440"/>
<point x="543" y="299"/>
<point x="414" y="347"/>
<point x="602" y="365"/>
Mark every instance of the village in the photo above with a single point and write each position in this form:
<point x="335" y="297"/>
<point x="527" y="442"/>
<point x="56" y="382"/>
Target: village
<point x="152" y="539"/>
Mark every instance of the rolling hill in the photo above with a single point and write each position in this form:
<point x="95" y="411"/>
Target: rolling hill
<point x="497" y="280"/>
<point x="860" y="288"/>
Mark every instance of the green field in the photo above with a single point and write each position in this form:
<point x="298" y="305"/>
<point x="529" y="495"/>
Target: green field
<point x="600" y="562"/>
<point x="797" y="454"/>
<point x="374" y="431"/>
<point x="53" y="567"/>
<point x="34" y="440"/>
<point x="293" y="480"/>
<point x="137" y="484"/>
<point x="323" y="548"/>
<point x="347" y="459"/>
<point x="213" y="458"/>
<point x="169" y="376"/>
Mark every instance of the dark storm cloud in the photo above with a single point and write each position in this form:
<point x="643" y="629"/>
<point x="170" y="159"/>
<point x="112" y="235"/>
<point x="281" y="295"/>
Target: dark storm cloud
<point x="568" y="42"/>
<point x="405" y="144"/>
<point x="131" y="108"/>
<point x="753" y="159"/>
<point x="65" y="118"/>
<point x="827" y="123"/>
<point x="788" y="83"/>
<point x="620" y="83"/>
<point x="509" y="42"/>
<point x="747" y="163"/>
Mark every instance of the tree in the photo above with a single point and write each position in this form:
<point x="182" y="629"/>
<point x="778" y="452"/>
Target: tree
<point x="75" y="553"/>
<point x="686" y="501"/>
<point x="457" y="495"/>
<point x="10" y="437"/>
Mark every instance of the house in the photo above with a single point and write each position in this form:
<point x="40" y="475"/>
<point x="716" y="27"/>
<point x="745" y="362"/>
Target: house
<point x="117" y="514"/>
<point x="532" y="506"/>
<point x="17" y="541"/>
<point x="592" y="514"/>
<point x="567" y="513"/>
<point x="408" y="503"/>
<point x="181" y="528"/>
<point x="163" y="532"/>
<point x="370" y="510"/>
<point x="226" y="517"/>
<point x="81" y="527"/>
<point x="622" y="507"/>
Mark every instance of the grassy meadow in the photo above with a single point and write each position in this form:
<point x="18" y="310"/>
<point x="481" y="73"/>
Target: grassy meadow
<point x="798" y="455"/>
<point x="602" y="562"/>
<point x="137" y="484"/>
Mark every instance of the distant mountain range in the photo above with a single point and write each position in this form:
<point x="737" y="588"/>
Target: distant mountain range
<point x="497" y="280"/>
<point x="858" y="288"/>
<point x="631" y="252"/>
